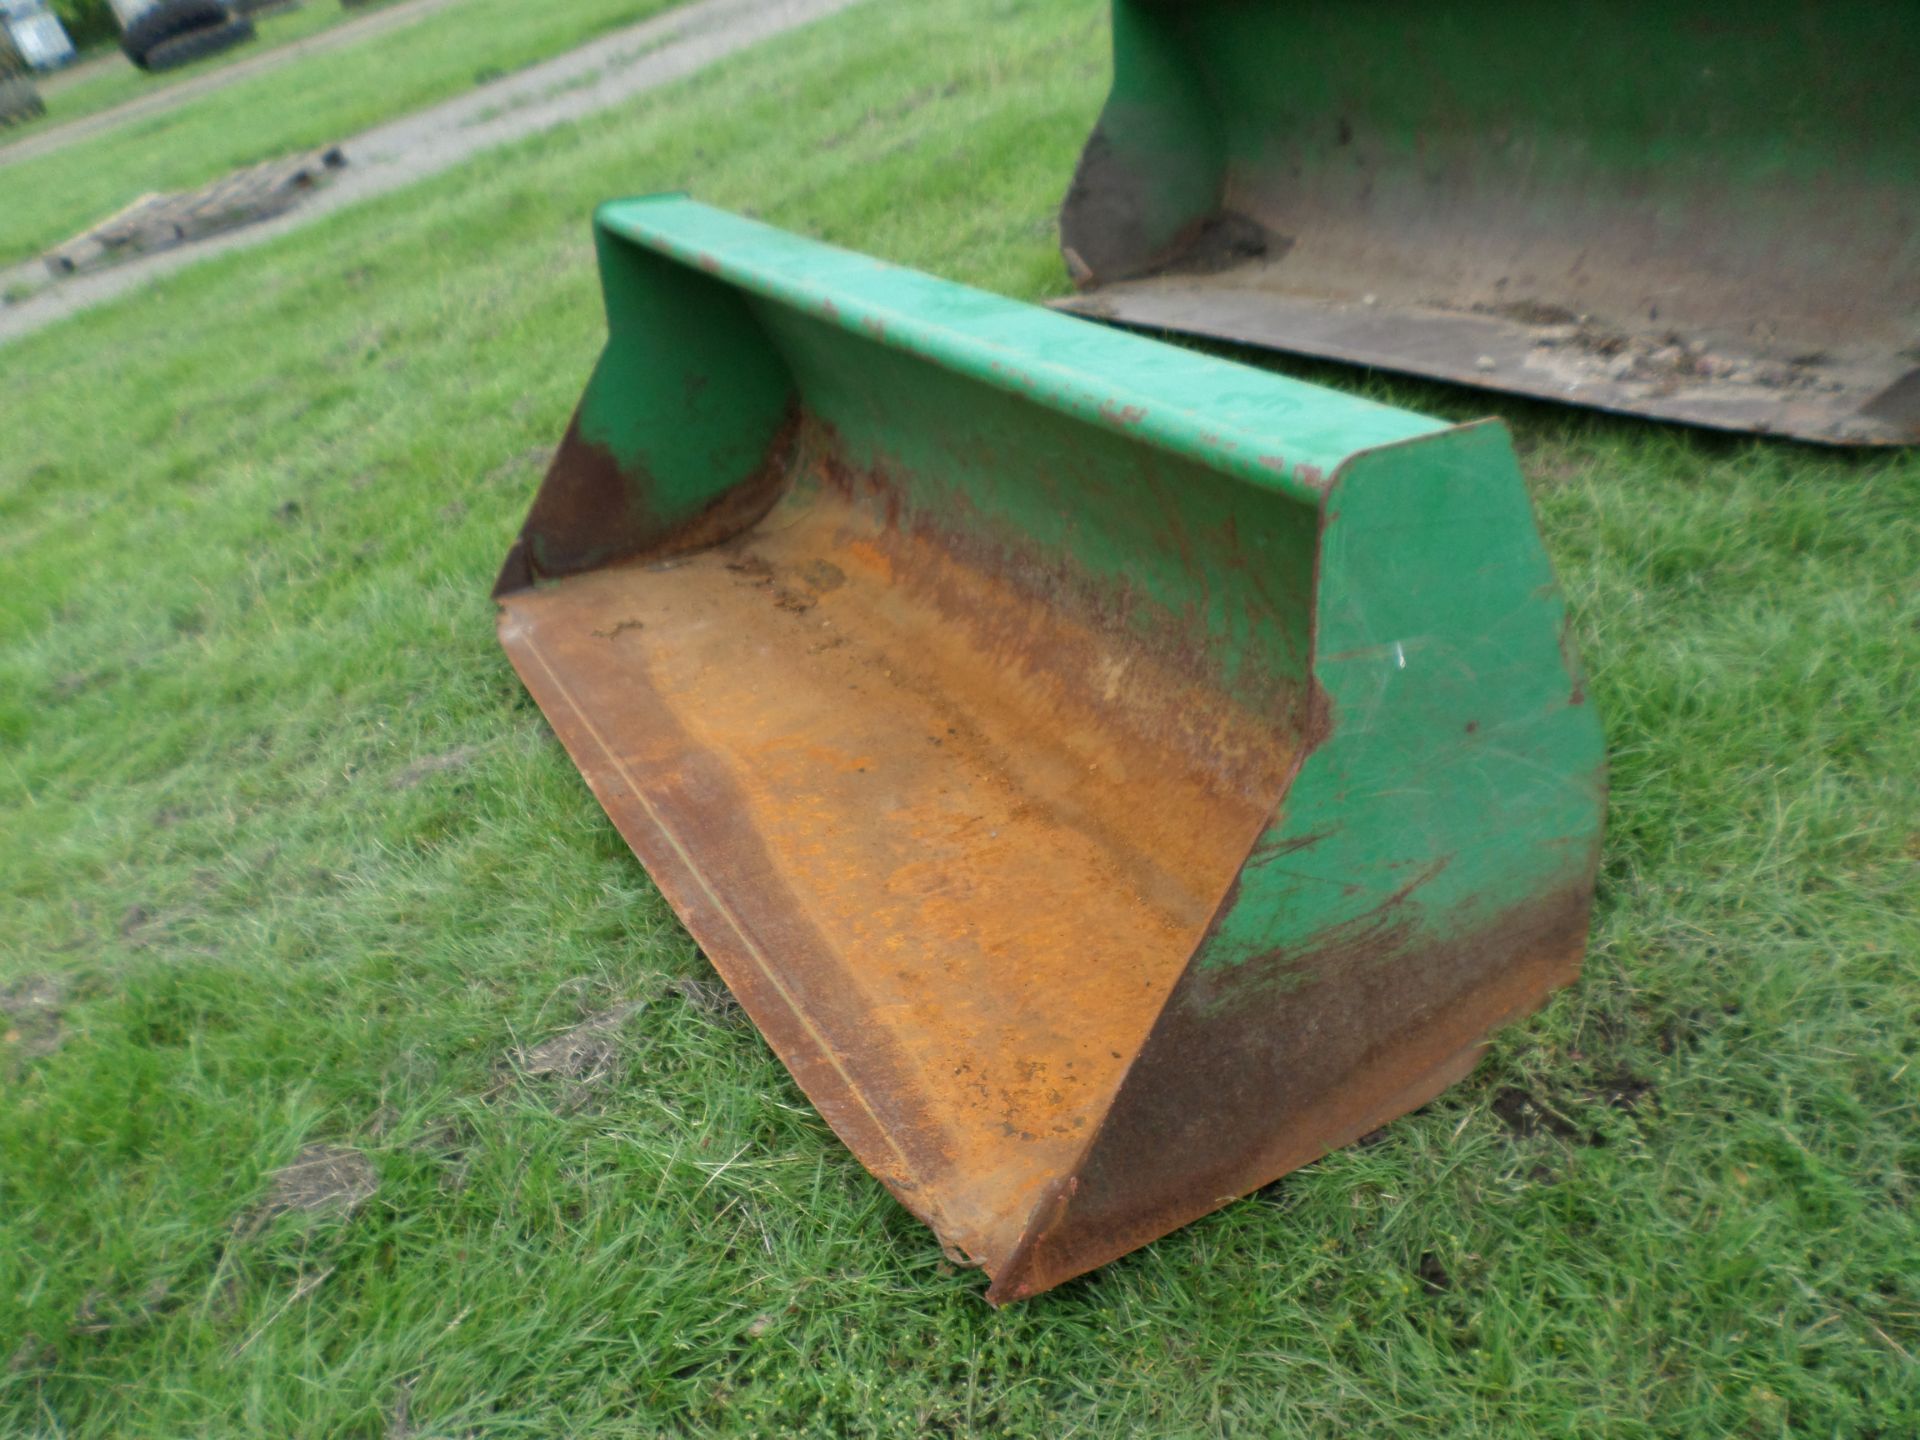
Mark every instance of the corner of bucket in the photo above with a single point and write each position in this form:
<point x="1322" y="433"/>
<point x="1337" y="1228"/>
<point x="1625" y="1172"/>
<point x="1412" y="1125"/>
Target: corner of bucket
<point x="608" y="212"/>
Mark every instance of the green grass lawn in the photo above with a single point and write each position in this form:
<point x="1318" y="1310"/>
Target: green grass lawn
<point x="288" y="859"/>
<point x="314" y="100"/>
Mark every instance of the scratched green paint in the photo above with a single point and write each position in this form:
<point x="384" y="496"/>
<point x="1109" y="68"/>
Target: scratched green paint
<point x="1462" y="774"/>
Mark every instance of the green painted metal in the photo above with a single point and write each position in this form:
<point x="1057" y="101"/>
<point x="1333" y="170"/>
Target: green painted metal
<point x="1365" y="587"/>
<point x="1735" y="183"/>
<point x="1117" y="383"/>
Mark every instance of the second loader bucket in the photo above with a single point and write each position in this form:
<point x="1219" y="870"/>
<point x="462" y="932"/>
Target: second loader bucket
<point x="1678" y="208"/>
<point x="1109" y="776"/>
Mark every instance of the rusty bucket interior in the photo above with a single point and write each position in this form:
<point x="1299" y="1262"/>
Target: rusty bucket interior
<point x="948" y="662"/>
<point x="1683" y="209"/>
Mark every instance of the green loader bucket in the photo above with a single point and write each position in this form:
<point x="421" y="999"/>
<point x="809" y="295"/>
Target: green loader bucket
<point x="1109" y="776"/>
<point x="1686" y="209"/>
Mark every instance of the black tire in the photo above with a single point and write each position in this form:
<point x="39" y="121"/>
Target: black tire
<point x="168" y="20"/>
<point x="198" y="43"/>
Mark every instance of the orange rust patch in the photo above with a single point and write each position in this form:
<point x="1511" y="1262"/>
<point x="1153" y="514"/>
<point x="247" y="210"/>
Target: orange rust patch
<point x="951" y="848"/>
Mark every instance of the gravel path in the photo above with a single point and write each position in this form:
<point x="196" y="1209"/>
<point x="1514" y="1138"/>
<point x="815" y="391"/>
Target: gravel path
<point x="612" y="69"/>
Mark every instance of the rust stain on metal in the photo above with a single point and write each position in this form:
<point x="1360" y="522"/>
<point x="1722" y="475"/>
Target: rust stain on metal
<point x="1176" y="645"/>
<point x="950" y="841"/>
<point x="591" y="511"/>
<point x="1213" y="1109"/>
<point x="1570" y="657"/>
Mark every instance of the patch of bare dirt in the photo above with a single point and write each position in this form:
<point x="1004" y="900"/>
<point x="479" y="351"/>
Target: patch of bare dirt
<point x="100" y="1313"/>
<point x="516" y="467"/>
<point x="400" y="1418"/>
<point x="136" y="923"/>
<point x="583" y="1054"/>
<point x="30" y="1017"/>
<point x="30" y="1354"/>
<point x="1433" y="1273"/>
<point x="428" y="765"/>
<point x="574" y="1065"/>
<point x="321" y="1179"/>
<point x="580" y="1060"/>
<point x="711" y="999"/>
<point x="1570" y="1112"/>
